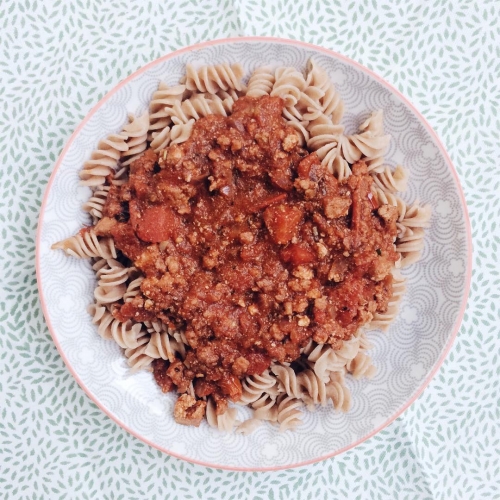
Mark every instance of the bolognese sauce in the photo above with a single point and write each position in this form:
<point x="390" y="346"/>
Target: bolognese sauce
<point x="251" y="247"/>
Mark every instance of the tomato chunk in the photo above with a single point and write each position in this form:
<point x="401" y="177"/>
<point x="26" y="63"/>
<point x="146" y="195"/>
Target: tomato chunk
<point x="297" y="254"/>
<point x="309" y="167"/>
<point x="258" y="363"/>
<point x="158" y="223"/>
<point x="282" y="222"/>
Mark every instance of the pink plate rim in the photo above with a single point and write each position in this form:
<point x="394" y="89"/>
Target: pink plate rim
<point x="345" y="59"/>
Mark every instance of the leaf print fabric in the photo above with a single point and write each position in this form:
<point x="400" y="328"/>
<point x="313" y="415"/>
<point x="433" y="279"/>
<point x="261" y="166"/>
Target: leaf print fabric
<point x="58" y="59"/>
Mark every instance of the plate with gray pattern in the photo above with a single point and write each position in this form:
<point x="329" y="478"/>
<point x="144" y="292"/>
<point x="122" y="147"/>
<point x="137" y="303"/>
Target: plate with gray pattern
<point x="406" y="357"/>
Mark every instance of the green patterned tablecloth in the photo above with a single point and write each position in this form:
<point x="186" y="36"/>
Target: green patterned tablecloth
<point x="57" y="59"/>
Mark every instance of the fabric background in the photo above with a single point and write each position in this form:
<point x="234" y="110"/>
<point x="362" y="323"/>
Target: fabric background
<point x="57" y="59"/>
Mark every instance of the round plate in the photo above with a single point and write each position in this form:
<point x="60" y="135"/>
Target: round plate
<point x="406" y="357"/>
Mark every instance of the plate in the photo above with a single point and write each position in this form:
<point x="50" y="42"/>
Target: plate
<point x="406" y="357"/>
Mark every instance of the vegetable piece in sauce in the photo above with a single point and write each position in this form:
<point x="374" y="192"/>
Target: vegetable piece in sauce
<point x="282" y="222"/>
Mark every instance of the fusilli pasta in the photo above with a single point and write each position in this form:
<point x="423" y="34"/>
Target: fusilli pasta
<point x="137" y="137"/>
<point x="261" y="82"/>
<point x="103" y="161"/>
<point x="164" y="97"/>
<point x="126" y="335"/>
<point x="96" y="203"/>
<point x="133" y="288"/>
<point x="214" y="78"/>
<point x="256" y="385"/>
<point x="289" y="415"/>
<point x="266" y="408"/>
<point x="383" y="320"/>
<point x="86" y="245"/>
<point x="136" y="356"/>
<point x="248" y="426"/>
<point x="224" y="422"/>
<point x="361" y="366"/>
<point x="163" y="345"/>
<point x="338" y="392"/>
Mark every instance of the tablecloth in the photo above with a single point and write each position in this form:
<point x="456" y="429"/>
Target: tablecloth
<point x="57" y="59"/>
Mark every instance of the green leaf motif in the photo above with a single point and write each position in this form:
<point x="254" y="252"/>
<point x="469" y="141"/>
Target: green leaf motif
<point x="57" y="59"/>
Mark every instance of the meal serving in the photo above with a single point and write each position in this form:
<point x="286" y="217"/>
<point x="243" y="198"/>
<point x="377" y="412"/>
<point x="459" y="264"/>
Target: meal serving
<point x="243" y="243"/>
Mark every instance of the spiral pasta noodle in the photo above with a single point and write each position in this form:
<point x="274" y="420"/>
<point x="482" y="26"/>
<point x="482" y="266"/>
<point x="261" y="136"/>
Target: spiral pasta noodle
<point x="214" y="78"/>
<point x="103" y="319"/>
<point x="163" y="345"/>
<point x="261" y="82"/>
<point x="256" y="385"/>
<point x="287" y="380"/>
<point x="95" y="204"/>
<point x="126" y="335"/>
<point x="371" y="140"/>
<point x="164" y="97"/>
<point x="289" y="84"/>
<point x="323" y="98"/>
<point x="266" y="408"/>
<point x="103" y="161"/>
<point x="391" y="181"/>
<point x="181" y="132"/>
<point x="383" y="320"/>
<point x="200" y="105"/>
<point x="313" y="388"/>
<point x="323" y="359"/>
<point x="224" y="422"/>
<point x="133" y="288"/>
<point x="137" y="136"/>
<point x="86" y="245"/>
<point x="410" y="245"/>
<point x="338" y="392"/>
<point x="361" y="366"/>
<point x="331" y="146"/>
<point x="136" y="356"/>
<point x="289" y="416"/>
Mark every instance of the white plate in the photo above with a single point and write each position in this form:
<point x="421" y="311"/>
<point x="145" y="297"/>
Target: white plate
<point x="406" y="357"/>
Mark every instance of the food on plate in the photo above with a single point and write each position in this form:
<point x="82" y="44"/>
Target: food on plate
<point x="243" y="243"/>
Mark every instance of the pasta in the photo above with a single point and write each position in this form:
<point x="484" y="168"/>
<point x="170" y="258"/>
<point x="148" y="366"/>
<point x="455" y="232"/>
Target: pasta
<point x="212" y="79"/>
<point x="224" y="422"/>
<point x="200" y="105"/>
<point x="163" y="345"/>
<point x="126" y="335"/>
<point x="137" y="357"/>
<point x="103" y="161"/>
<point x="313" y="389"/>
<point x="361" y="366"/>
<point x="289" y="84"/>
<point x="331" y="146"/>
<point x="86" y="245"/>
<point x="410" y="245"/>
<point x="255" y="386"/>
<point x="261" y="82"/>
<point x="338" y="392"/>
<point x="137" y="135"/>
<point x="164" y="97"/>
<point x="181" y="131"/>
<point x="391" y="182"/>
<point x="96" y="203"/>
<point x="383" y="320"/>
<point x="289" y="415"/>
<point x="266" y="408"/>
<point x="275" y="391"/>
<point x="330" y="103"/>
<point x="248" y="426"/>
<point x="133" y="288"/>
